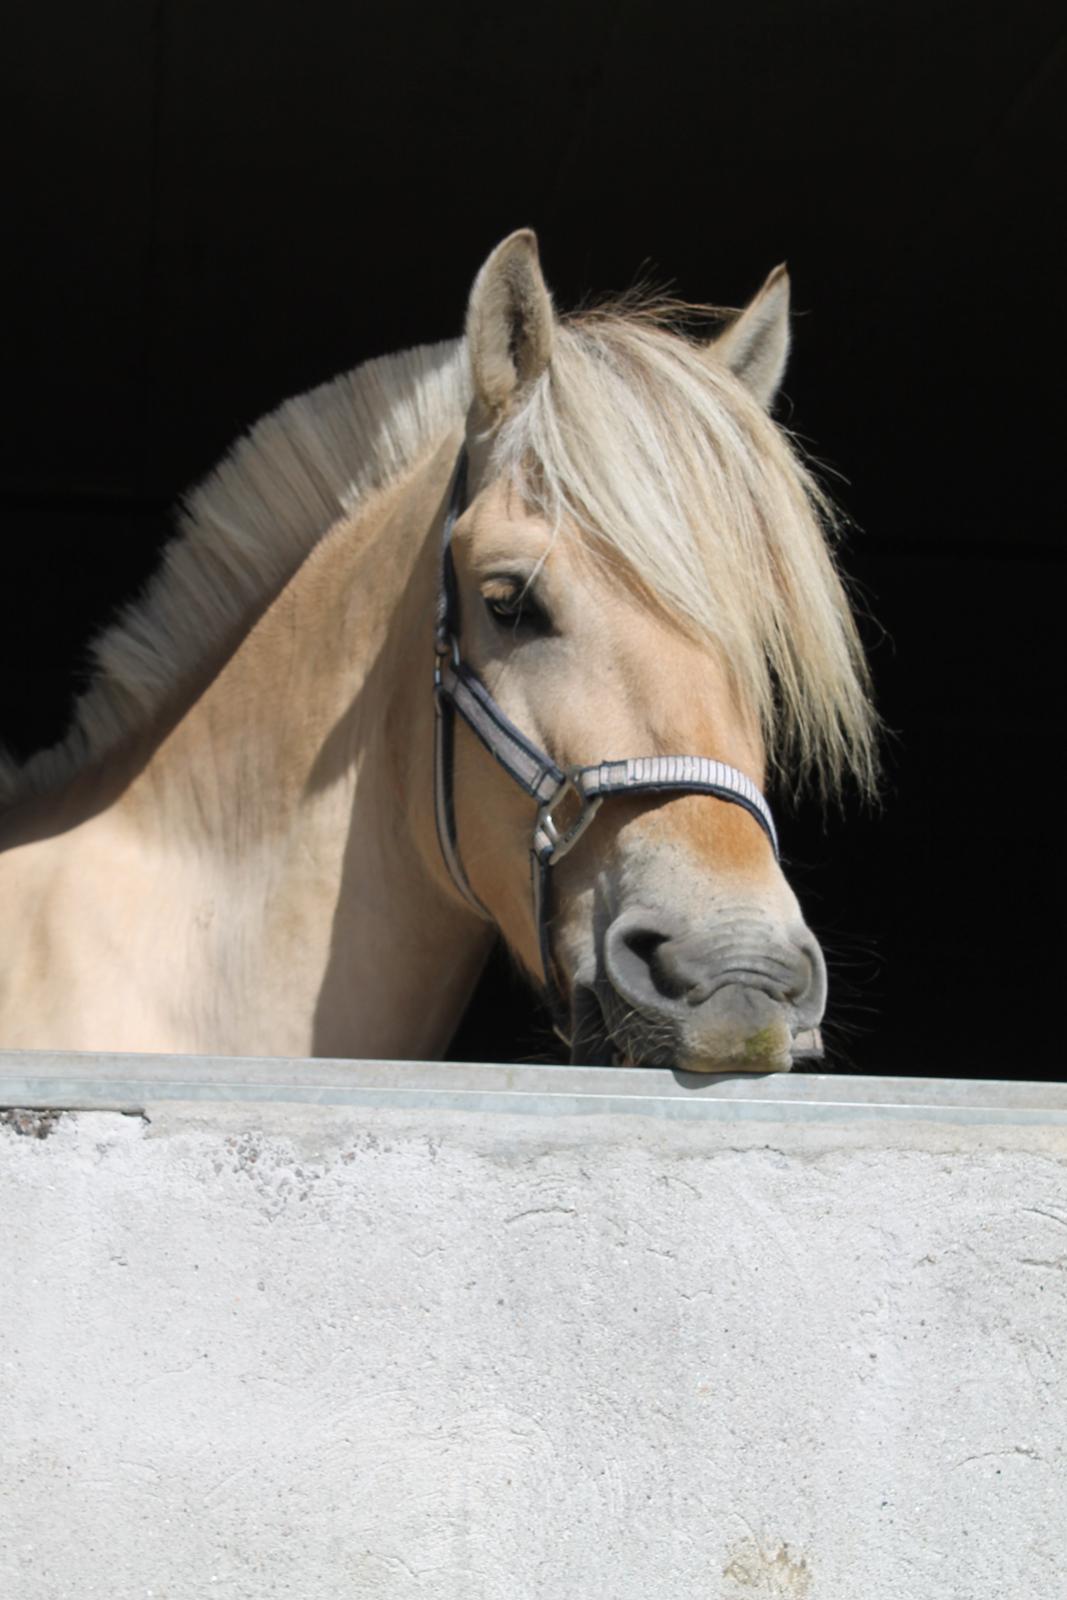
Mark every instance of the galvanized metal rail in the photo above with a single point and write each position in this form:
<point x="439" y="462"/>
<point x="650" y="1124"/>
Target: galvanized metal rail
<point x="126" y="1082"/>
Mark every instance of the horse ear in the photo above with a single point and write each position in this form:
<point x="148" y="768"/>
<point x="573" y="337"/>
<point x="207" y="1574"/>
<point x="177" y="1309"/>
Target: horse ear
<point x="756" y="345"/>
<point x="510" y="323"/>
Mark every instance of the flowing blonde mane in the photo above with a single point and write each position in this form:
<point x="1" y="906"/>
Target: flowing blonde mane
<point x="665" y="462"/>
<point x="246" y="529"/>
<point x="671" y="468"/>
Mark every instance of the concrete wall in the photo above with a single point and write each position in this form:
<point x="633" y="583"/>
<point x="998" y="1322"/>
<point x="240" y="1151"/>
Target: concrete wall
<point x="332" y="1330"/>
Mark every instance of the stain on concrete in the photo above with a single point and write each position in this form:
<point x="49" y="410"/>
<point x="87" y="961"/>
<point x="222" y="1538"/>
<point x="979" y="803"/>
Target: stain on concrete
<point x="30" y="1124"/>
<point x="772" y="1572"/>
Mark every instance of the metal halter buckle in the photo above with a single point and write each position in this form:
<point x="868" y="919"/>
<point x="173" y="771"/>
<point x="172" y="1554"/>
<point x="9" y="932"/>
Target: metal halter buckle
<point x="562" y="835"/>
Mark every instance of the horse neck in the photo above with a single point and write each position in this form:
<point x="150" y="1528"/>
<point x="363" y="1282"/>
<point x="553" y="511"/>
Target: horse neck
<point x="298" y="791"/>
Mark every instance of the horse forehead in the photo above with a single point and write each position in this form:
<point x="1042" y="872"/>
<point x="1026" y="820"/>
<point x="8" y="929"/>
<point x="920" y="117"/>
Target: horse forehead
<point x="498" y="523"/>
<point x="500" y="527"/>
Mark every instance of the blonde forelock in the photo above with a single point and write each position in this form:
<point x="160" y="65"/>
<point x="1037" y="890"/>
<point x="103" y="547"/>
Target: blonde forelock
<point x="643" y="441"/>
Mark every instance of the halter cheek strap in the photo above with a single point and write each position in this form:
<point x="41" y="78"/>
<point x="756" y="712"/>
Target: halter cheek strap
<point x="567" y="799"/>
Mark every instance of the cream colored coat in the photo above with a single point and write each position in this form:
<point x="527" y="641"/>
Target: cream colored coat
<point x="236" y="851"/>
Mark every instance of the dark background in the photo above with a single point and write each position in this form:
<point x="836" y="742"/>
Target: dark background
<point x="217" y="205"/>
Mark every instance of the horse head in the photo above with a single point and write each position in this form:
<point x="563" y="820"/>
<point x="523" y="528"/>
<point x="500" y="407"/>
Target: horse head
<point x="641" y="570"/>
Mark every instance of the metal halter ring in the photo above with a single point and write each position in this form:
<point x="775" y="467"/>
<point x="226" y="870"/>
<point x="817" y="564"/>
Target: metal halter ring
<point x="554" y="838"/>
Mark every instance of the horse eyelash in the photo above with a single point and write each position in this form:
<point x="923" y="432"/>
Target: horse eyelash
<point x="518" y="608"/>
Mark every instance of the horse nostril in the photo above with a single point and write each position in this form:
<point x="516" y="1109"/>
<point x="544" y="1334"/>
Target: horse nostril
<point x="648" y="967"/>
<point x="808" y="990"/>
<point x="803" y="976"/>
<point x="678" y="971"/>
<point x="644" y="943"/>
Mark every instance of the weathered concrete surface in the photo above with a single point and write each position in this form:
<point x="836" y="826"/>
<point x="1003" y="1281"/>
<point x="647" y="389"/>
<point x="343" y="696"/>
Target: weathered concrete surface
<point x="485" y="1353"/>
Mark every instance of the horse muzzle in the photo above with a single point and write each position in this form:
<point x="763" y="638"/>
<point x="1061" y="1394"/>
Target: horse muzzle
<point x="739" y="996"/>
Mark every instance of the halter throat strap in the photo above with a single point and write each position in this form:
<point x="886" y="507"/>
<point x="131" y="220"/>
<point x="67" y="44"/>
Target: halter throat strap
<point x="567" y="799"/>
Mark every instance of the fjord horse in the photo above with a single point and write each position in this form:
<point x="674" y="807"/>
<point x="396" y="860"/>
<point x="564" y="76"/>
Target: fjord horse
<point x="564" y="582"/>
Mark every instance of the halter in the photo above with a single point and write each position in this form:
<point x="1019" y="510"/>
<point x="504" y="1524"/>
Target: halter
<point x="568" y="798"/>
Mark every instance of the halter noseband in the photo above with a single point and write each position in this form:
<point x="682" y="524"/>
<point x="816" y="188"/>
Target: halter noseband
<point x="568" y="799"/>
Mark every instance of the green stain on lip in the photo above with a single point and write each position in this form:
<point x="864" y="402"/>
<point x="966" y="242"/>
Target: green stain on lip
<point x="765" y="1047"/>
<point x="763" y="1043"/>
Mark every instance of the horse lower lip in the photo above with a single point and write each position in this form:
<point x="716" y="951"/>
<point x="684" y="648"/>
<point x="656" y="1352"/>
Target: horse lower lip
<point x="593" y="1044"/>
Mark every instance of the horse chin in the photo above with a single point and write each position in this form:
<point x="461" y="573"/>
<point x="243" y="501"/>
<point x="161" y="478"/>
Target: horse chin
<point x="591" y="1041"/>
<point x="604" y="1033"/>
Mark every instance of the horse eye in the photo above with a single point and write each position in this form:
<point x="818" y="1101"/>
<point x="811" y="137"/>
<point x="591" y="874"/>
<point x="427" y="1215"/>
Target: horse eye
<point x="512" y="606"/>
